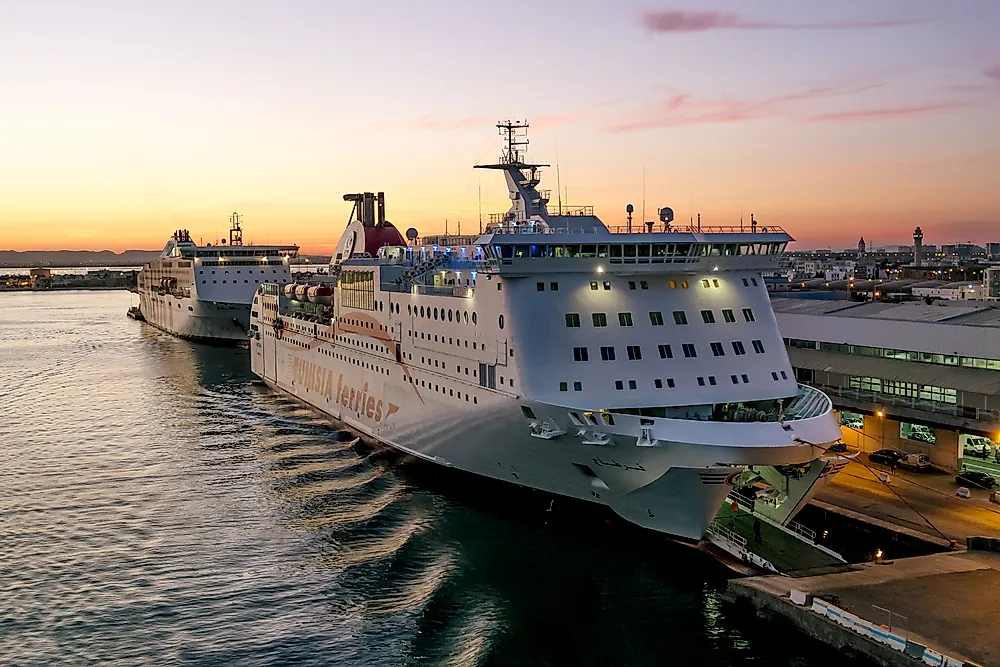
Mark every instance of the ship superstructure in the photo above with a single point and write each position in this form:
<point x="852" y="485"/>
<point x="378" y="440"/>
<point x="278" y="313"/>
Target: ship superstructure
<point x="638" y="368"/>
<point x="204" y="292"/>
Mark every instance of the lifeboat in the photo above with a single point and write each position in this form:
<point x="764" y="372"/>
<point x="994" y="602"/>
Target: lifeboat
<point x="321" y="294"/>
<point x="301" y="291"/>
<point x="290" y="290"/>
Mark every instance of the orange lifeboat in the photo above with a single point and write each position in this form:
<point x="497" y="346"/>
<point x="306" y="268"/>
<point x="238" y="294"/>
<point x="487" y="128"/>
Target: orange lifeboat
<point x="300" y="292"/>
<point x="289" y="290"/>
<point x="321" y="294"/>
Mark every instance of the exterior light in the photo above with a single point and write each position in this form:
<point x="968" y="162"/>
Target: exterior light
<point x="600" y="269"/>
<point x="880" y="414"/>
<point x="716" y="269"/>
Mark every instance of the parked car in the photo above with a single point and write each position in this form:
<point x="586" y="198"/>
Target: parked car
<point x="980" y="480"/>
<point x="979" y="447"/>
<point x="886" y="457"/>
<point x="914" y="462"/>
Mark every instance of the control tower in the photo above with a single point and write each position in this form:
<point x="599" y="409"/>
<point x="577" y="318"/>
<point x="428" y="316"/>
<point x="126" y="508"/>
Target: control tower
<point x="918" y="241"/>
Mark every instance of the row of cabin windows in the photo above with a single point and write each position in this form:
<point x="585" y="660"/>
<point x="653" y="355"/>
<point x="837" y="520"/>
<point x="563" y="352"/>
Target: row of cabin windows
<point x="642" y="251"/>
<point x="671" y="384"/>
<point x="634" y="352"/>
<point x="656" y="318"/>
<point x="200" y="271"/>
<point x="460" y="316"/>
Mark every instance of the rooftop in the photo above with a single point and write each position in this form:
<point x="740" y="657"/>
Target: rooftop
<point x="963" y="313"/>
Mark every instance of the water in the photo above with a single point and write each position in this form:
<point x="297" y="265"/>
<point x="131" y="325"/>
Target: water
<point x="159" y="508"/>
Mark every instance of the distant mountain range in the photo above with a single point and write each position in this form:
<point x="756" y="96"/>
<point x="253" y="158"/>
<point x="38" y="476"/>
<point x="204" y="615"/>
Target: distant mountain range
<point x="70" y="258"/>
<point x="67" y="258"/>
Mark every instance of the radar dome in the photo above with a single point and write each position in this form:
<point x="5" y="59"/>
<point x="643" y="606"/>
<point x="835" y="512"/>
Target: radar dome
<point x="666" y="214"/>
<point x="412" y="234"/>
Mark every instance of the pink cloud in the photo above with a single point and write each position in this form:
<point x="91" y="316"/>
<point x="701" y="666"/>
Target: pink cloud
<point x="701" y="21"/>
<point x="888" y="113"/>
<point x="993" y="72"/>
<point x="680" y="109"/>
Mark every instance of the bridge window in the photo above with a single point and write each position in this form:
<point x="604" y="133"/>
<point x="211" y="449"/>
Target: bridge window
<point x="758" y="346"/>
<point x="634" y="352"/>
<point x="619" y="385"/>
<point x="680" y="317"/>
<point x="656" y="318"/>
<point x="632" y="384"/>
<point x="727" y="315"/>
<point x="607" y="353"/>
<point x="701" y="381"/>
<point x="774" y="376"/>
<point x="735" y="379"/>
<point x="580" y="354"/>
<point x="708" y="316"/>
<point x="748" y="315"/>
<point x="711" y="380"/>
<point x="670" y="383"/>
<point x="600" y="320"/>
<point x="738" y="348"/>
<point x="665" y="352"/>
<point x="718" y="350"/>
<point x="745" y="379"/>
<point x="573" y="320"/>
<point x="689" y="350"/>
<point x="625" y="319"/>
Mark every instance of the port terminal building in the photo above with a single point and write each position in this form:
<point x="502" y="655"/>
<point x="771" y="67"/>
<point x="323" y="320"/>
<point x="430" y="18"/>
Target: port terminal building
<point x="919" y="377"/>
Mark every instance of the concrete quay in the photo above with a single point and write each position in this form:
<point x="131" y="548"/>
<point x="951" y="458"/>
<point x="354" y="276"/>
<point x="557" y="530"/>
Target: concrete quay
<point x="945" y="602"/>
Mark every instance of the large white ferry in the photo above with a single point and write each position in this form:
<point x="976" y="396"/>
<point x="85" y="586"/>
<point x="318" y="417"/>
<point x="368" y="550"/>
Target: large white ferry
<point x="204" y="292"/>
<point x="638" y="368"/>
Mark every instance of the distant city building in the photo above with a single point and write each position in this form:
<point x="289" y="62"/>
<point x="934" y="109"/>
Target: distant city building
<point x="861" y="246"/>
<point x="992" y="282"/>
<point x="993" y="250"/>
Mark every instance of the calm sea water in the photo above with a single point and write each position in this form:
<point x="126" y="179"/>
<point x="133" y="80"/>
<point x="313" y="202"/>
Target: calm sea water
<point x="157" y="507"/>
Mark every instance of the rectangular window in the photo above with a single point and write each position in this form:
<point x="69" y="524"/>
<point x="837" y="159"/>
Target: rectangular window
<point x="665" y="352"/>
<point x="784" y="375"/>
<point x="704" y="283"/>
<point x="727" y="315"/>
<point x="658" y="383"/>
<point x="673" y="284"/>
<point x="774" y="376"/>
<point x="600" y="320"/>
<point x="689" y="350"/>
<point x="631" y="284"/>
<point x="577" y="386"/>
<point x="711" y="380"/>
<point x="656" y="318"/>
<point x="746" y="380"/>
<point x="738" y="347"/>
<point x="680" y="317"/>
<point x="632" y="384"/>
<point x="735" y="379"/>
<point x="607" y="353"/>
<point x="625" y="319"/>
<point x="634" y="353"/>
<point x="748" y="315"/>
<point x="563" y="386"/>
<point x="619" y="385"/>
<point x="554" y="287"/>
<point x="708" y="316"/>
<point x="754" y="281"/>
<point x="701" y="381"/>
<point x="758" y="346"/>
<point x="718" y="350"/>
<point x="593" y="285"/>
<point x="580" y="354"/>
<point x="540" y="287"/>
<point x="643" y="284"/>
<point x="670" y="383"/>
<point x="572" y="320"/>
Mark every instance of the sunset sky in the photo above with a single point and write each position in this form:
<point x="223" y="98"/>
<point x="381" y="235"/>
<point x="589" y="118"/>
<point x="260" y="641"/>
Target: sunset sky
<point x="122" y="121"/>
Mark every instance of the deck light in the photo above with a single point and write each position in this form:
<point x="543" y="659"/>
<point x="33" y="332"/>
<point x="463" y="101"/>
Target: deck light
<point x="600" y="269"/>
<point x="880" y="414"/>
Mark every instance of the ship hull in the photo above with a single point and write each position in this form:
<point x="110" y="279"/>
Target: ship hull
<point x="487" y="433"/>
<point x="196" y="320"/>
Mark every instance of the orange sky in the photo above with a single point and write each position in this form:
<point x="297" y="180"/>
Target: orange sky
<point x="124" y="123"/>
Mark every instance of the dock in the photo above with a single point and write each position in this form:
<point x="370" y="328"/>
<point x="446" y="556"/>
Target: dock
<point x="926" y="610"/>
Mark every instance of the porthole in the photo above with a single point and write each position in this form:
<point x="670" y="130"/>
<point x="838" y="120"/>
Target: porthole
<point x="435" y="312"/>
<point x="421" y="311"/>
<point x="409" y="309"/>
<point x="449" y="314"/>
<point x="473" y="317"/>
<point x="465" y="316"/>
<point x="501" y="321"/>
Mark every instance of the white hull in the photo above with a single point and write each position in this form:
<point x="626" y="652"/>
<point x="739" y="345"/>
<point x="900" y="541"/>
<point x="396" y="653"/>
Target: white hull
<point x="192" y="319"/>
<point x="491" y="437"/>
